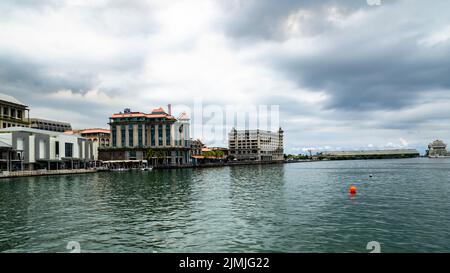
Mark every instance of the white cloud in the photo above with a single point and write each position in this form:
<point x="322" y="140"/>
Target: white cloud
<point x="436" y="37"/>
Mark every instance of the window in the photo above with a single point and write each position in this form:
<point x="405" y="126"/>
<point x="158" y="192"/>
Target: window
<point x="167" y="134"/>
<point x="130" y="136"/>
<point x="152" y="132"/>
<point x="57" y="149"/>
<point x="114" y="136"/>
<point x="13" y="113"/>
<point x="69" y="149"/>
<point x="140" y="135"/>
<point x="123" y="135"/>
<point x="160" y="135"/>
<point x="145" y="143"/>
<point x="6" y="111"/>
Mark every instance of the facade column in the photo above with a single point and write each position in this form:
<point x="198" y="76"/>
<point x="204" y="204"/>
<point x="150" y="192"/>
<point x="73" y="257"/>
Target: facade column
<point x="118" y="136"/>
<point x="135" y="135"/>
<point x="127" y="135"/>
<point x="7" y="160"/>
<point x="164" y="135"/>
<point x="172" y="135"/>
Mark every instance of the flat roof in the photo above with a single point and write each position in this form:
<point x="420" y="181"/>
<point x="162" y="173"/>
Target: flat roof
<point x="32" y="130"/>
<point x="50" y="121"/>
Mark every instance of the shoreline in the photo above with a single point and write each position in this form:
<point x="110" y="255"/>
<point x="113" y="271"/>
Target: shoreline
<point x="20" y="174"/>
<point x="215" y="165"/>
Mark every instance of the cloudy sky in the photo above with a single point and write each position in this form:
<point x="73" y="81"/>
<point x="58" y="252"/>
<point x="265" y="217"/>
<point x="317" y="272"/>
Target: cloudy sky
<point x="346" y="74"/>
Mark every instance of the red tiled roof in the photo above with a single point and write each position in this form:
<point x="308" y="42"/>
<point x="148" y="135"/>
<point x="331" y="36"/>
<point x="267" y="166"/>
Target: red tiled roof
<point x="95" y="131"/>
<point x="142" y="115"/>
<point x="129" y="115"/>
<point x="156" y="113"/>
<point x="158" y="110"/>
<point x="88" y="131"/>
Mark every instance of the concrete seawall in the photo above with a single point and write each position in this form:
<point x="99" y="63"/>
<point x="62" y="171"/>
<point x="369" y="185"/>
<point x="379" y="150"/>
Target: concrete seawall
<point x="44" y="173"/>
<point x="222" y="164"/>
<point x="86" y="171"/>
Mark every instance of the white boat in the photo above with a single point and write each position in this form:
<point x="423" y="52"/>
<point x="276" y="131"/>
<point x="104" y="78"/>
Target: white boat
<point x="119" y="170"/>
<point x="147" y="169"/>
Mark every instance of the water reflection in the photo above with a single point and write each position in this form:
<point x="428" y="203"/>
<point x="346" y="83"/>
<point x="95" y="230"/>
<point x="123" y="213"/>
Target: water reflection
<point x="272" y="208"/>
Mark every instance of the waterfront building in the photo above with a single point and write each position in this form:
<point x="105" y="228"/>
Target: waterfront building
<point x="370" y="154"/>
<point x="50" y="125"/>
<point x="196" y="151"/>
<point x="33" y="149"/>
<point x="256" y="145"/>
<point x="157" y="136"/>
<point x="101" y="138"/>
<point x="8" y="156"/>
<point x="196" y="147"/>
<point x="437" y="149"/>
<point x="13" y="113"/>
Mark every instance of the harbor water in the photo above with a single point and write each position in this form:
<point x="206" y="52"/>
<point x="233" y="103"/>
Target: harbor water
<point x="306" y="207"/>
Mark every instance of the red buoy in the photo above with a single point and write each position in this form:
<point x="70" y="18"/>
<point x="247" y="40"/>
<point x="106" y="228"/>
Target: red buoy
<point x="353" y="190"/>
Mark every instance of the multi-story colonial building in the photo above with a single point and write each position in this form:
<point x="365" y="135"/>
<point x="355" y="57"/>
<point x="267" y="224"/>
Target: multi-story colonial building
<point x="158" y="137"/>
<point x="13" y="113"/>
<point x="50" y="125"/>
<point x="32" y="149"/>
<point x="257" y="145"/>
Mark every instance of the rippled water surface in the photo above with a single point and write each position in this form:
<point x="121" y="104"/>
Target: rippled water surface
<point x="302" y="207"/>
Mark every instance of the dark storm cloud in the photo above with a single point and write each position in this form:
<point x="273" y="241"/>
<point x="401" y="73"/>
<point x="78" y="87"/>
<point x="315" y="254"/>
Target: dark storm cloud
<point x="378" y="63"/>
<point x="368" y="77"/>
<point x="18" y="74"/>
<point x="263" y="19"/>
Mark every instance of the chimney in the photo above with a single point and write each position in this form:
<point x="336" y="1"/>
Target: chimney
<point x="169" y="107"/>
